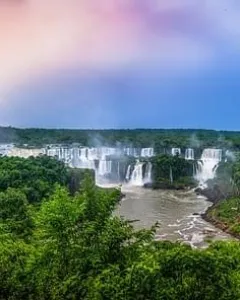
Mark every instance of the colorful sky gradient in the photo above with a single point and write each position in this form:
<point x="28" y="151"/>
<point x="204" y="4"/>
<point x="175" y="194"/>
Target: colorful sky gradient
<point x="120" y="63"/>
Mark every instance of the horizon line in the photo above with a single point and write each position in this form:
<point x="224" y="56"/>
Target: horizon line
<point x="119" y="129"/>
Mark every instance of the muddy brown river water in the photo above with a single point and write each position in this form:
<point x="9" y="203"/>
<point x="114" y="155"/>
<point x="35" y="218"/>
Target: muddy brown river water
<point x="177" y="212"/>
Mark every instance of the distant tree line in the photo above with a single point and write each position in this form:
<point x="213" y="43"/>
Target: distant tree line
<point x="160" y="139"/>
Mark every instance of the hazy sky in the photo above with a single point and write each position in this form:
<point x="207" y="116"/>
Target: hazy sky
<point x="120" y="63"/>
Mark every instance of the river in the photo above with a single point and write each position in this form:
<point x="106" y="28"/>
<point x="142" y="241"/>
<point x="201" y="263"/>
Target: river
<point x="177" y="212"/>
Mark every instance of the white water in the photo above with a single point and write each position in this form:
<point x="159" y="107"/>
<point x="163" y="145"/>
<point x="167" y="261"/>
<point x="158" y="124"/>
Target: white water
<point x="93" y="153"/>
<point x="80" y="159"/>
<point x="207" y="165"/>
<point x="148" y="173"/>
<point x="171" y="175"/>
<point x="137" y="175"/>
<point x="5" y="149"/>
<point x="174" y="210"/>
<point x="84" y="157"/>
<point x="128" y="174"/>
<point x="147" y="152"/>
<point x="105" y="167"/>
<point x="131" y="152"/>
<point x="189" y="154"/>
<point x="176" y="151"/>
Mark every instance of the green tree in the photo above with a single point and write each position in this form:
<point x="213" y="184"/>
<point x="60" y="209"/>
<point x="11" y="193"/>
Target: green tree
<point x="14" y="214"/>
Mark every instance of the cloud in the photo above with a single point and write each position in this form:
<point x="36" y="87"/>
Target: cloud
<point x="39" y="36"/>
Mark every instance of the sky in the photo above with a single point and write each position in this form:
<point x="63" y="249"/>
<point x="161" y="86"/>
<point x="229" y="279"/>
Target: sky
<point x="120" y="63"/>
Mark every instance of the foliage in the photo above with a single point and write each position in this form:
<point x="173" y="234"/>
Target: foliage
<point x="226" y="213"/>
<point x="172" y="172"/>
<point x="36" y="176"/>
<point x="73" y="247"/>
<point x="157" y="138"/>
<point x="14" y="213"/>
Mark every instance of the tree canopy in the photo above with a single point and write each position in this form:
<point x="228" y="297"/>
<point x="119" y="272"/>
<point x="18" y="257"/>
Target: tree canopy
<point x="157" y="138"/>
<point x="72" y="246"/>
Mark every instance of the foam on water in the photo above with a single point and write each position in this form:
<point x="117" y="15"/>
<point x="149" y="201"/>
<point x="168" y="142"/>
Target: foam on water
<point x="175" y="211"/>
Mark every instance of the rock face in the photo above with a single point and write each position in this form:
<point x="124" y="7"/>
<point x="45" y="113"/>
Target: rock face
<point x="148" y="185"/>
<point x="122" y="196"/>
<point x="213" y="193"/>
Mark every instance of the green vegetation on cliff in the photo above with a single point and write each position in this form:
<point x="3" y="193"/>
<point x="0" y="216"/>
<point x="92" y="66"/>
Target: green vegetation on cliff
<point x="226" y="215"/>
<point x="172" y="172"/>
<point x="225" y="189"/>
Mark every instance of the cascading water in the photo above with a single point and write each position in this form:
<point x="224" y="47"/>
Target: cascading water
<point x="103" y="171"/>
<point x="82" y="160"/>
<point x="207" y="165"/>
<point x="5" y="149"/>
<point x="92" y="153"/>
<point x="189" y="154"/>
<point x="171" y="175"/>
<point x="176" y="151"/>
<point x="106" y="151"/>
<point x="137" y="175"/>
<point x="118" y="171"/>
<point x="148" y="173"/>
<point x="105" y="167"/>
<point x="128" y="174"/>
<point x="147" y="152"/>
<point x="229" y="156"/>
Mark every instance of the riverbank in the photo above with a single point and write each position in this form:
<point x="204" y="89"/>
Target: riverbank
<point x="225" y="215"/>
<point x="224" y="212"/>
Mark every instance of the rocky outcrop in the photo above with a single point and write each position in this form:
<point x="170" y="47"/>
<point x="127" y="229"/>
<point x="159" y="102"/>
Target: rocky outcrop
<point x="122" y="196"/>
<point x="213" y="194"/>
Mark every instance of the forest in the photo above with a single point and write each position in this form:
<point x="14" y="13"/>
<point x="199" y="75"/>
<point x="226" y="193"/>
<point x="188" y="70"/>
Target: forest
<point x="157" y="138"/>
<point x="60" y="240"/>
<point x="172" y="172"/>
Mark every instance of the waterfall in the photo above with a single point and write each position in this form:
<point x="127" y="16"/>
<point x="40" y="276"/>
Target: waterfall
<point x="137" y="175"/>
<point x="106" y="151"/>
<point x="105" y="167"/>
<point x="81" y="161"/>
<point x="229" y="156"/>
<point x="194" y="170"/>
<point x="128" y="174"/>
<point x="207" y="165"/>
<point x="147" y="152"/>
<point x="171" y="175"/>
<point x="5" y="149"/>
<point x="118" y="171"/>
<point x="189" y="154"/>
<point x="129" y="151"/>
<point x="148" y="173"/>
<point x="77" y="158"/>
<point x="93" y="153"/>
<point x="176" y="151"/>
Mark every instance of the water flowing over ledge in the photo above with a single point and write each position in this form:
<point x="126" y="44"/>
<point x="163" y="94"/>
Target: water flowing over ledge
<point x="123" y="165"/>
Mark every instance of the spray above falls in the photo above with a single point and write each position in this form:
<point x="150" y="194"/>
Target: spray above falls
<point x="137" y="175"/>
<point x="111" y="165"/>
<point x="125" y="164"/>
<point x="189" y="154"/>
<point x="176" y="151"/>
<point x="207" y="165"/>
